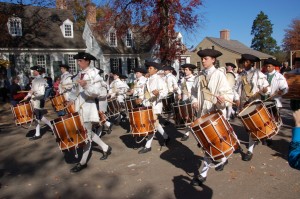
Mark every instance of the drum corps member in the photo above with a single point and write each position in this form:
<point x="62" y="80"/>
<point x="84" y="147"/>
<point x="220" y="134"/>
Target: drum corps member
<point x="211" y="81"/>
<point x="155" y="90"/>
<point x="65" y="84"/>
<point x="186" y="84"/>
<point x="230" y="113"/>
<point x="139" y="82"/>
<point x="251" y="85"/>
<point x="83" y="94"/>
<point x="37" y="94"/>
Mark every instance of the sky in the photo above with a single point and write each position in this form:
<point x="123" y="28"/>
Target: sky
<point x="238" y="16"/>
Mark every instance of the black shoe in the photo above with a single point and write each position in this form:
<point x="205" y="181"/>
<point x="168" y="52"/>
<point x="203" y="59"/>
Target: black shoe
<point x="184" y="138"/>
<point x="144" y="150"/>
<point x="167" y="123"/>
<point x="269" y="142"/>
<point x="109" y="129"/>
<point x="198" y="181"/>
<point x="248" y="156"/>
<point x="167" y="141"/>
<point x="35" y="137"/>
<point x="221" y="167"/>
<point x="106" y="154"/>
<point x="78" y="167"/>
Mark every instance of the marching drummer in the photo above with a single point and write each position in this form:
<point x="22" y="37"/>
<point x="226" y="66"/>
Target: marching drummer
<point x="139" y="82"/>
<point x="230" y="113"/>
<point x="251" y="85"/>
<point x="118" y="89"/>
<point x="83" y="94"/>
<point x="186" y="84"/>
<point x="172" y="85"/>
<point x="155" y="90"/>
<point x="209" y="93"/>
<point x="65" y="84"/>
<point x="37" y="94"/>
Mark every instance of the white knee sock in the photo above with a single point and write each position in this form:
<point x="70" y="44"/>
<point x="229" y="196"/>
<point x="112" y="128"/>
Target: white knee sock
<point x="251" y="144"/>
<point x="161" y="131"/>
<point x="149" y="142"/>
<point x="38" y="129"/>
<point x="46" y="121"/>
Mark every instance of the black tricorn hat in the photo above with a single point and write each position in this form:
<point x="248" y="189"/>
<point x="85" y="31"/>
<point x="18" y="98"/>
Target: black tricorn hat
<point x="84" y="55"/>
<point x="100" y="70"/>
<point x="230" y="64"/>
<point x="116" y="73"/>
<point x="272" y="61"/>
<point x="190" y="66"/>
<point x="249" y="57"/>
<point x="64" y="66"/>
<point x="38" y="69"/>
<point x="154" y="64"/>
<point x="141" y="70"/>
<point x="170" y="68"/>
<point x="209" y="52"/>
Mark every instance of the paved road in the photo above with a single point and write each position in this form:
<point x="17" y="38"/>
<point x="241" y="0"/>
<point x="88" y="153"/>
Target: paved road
<point x="37" y="169"/>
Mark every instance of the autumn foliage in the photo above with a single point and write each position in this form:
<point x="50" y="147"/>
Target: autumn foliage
<point x="291" y="39"/>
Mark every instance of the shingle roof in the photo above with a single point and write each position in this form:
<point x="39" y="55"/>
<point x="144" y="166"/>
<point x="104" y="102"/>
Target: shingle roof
<point x="237" y="47"/>
<point x="40" y="28"/>
<point x="141" y="43"/>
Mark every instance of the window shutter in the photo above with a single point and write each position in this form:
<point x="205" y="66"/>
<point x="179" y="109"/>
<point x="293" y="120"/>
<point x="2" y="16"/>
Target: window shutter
<point x="34" y="60"/>
<point x="48" y="66"/>
<point x="128" y="65"/>
<point x="111" y="64"/>
<point x="136" y="63"/>
<point x="66" y="59"/>
<point x="120" y="65"/>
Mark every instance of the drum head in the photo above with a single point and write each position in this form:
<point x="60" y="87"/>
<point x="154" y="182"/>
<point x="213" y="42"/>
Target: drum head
<point x="231" y="79"/>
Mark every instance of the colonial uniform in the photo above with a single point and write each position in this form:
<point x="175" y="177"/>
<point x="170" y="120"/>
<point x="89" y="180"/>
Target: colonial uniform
<point x="212" y="81"/>
<point x="250" y="87"/>
<point x="37" y="94"/>
<point x="139" y="84"/>
<point x="84" y="99"/>
<point x="232" y="79"/>
<point x="155" y="82"/>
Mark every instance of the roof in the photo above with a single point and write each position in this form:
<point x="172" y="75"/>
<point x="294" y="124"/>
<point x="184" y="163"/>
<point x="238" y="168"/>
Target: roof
<point x="237" y="47"/>
<point x="141" y="43"/>
<point x="40" y="28"/>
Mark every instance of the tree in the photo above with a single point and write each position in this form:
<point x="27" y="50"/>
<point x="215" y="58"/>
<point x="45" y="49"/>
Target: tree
<point x="262" y="30"/>
<point x="291" y="40"/>
<point x="158" y="18"/>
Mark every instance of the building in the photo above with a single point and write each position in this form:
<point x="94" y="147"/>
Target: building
<point x="231" y="49"/>
<point x="32" y="35"/>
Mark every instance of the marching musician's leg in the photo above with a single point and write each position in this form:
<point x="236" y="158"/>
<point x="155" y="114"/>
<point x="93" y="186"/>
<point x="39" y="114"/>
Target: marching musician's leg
<point x="248" y="156"/>
<point x="198" y="180"/>
<point x="186" y="135"/>
<point x="147" y="147"/>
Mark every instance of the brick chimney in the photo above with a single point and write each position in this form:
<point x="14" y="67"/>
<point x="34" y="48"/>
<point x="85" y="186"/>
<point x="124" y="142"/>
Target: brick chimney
<point x="225" y="34"/>
<point x="61" y="4"/>
<point x="91" y="13"/>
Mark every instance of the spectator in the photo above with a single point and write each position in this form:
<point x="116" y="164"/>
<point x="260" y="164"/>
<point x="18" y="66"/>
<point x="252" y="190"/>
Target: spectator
<point x="294" y="149"/>
<point x="4" y="87"/>
<point x="56" y="85"/>
<point x="15" y="96"/>
<point x="49" y="88"/>
<point x="285" y="68"/>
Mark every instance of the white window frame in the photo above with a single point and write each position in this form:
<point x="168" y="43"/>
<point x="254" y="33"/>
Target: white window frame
<point x="72" y="64"/>
<point x="112" y="37"/>
<point x="115" y="64"/>
<point x="129" y="39"/>
<point x="67" y="29"/>
<point x="41" y="61"/>
<point x="14" y="25"/>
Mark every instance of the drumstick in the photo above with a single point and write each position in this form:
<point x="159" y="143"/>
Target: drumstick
<point x="217" y="96"/>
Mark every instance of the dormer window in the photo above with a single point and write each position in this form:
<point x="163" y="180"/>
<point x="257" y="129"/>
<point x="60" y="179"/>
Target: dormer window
<point x="129" y="39"/>
<point x="112" y="40"/>
<point x="14" y="25"/>
<point x="67" y="29"/>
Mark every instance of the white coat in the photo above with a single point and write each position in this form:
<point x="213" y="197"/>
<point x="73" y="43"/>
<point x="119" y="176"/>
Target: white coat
<point x="186" y="85"/>
<point x="38" y="87"/>
<point x="218" y="86"/>
<point x="102" y="96"/>
<point x="155" y="82"/>
<point x="118" y="88"/>
<point x="171" y="82"/>
<point x="84" y="97"/>
<point x="257" y="80"/>
<point x="139" y="87"/>
<point x="65" y="85"/>
<point x="278" y="83"/>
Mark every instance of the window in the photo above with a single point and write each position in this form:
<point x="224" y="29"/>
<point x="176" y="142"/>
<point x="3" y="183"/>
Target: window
<point x="112" y="39"/>
<point x="41" y="60"/>
<point x="114" y="64"/>
<point x="130" y="65"/>
<point x="67" y="28"/>
<point x="15" y="26"/>
<point x="72" y="64"/>
<point x="182" y="61"/>
<point x="198" y="64"/>
<point x="129" y="39"/>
